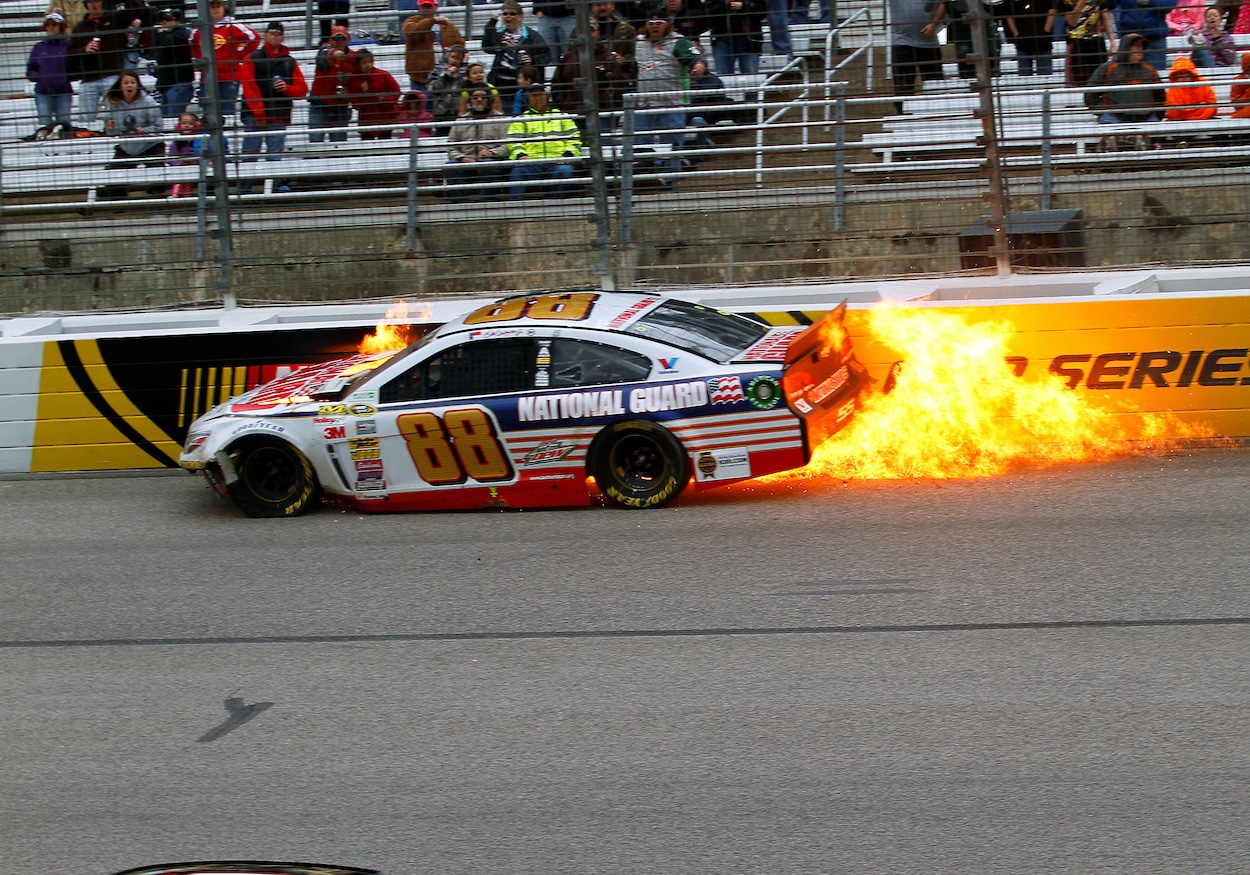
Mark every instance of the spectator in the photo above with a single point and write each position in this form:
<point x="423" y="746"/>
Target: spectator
<point x="73" y="11"/>
<point x="413" y="115"/>
<point x="233" y="42"/>
<point x="525" y="77"/>
<point x="961" y="14"/>
<point x="664" y="58"/>
<point x="185" y="150"/>
<point x="916" y="52"/>
<point x="614" y="41"/>
<point x="1213" y="46"/>
<point x="175" y="75"/>
<point x="689" y="19"/>
<point x="476" y="75"/>
<point x="778" y="27"/>
<point x="445" y="86"/>
<point x="1089" y="25"/>
<point x="132" y="114"/>
<point x="542" y="133"/>
<point x="374" y="94"/>
<point x="737" y="28"/>
<point x="1193" y="103"/>
<point x="1186" y="16"/>
<point x="49" y="68"/>
<point x="426" y="36"/>
<point x="1126" y="107"/>
<point x="707" y="102"/>
<point x="514" y="46"/>
<point x="478" y="146"/>
<point x="333" y="13"/>
<point x="1242" y="22"/>
<point x="327" y="104"/>
<point x="98" y="44"/>
<point x="554" y="21"/>
<point x="1239" y="91"/>
<point x="620" y="34"/>
<point x="1149" y="19"/>
<point x="272" y="82"/>
<point x="800" y="11"/>
<point x="1029" y="24"/>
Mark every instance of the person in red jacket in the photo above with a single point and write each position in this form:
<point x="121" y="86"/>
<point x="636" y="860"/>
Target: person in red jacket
<point x="233" y="41"/>
<point x="375" y="95"/>
<point x="327" y="104"/>
<point x="272" y="82"/>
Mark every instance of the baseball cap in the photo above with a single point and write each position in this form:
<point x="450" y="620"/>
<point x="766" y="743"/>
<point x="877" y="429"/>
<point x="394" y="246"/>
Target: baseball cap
<point x="276" y="27"/>
<point x="340" y="30"/>
<point x="427" y="4"/>
<point x="54" y="16"/>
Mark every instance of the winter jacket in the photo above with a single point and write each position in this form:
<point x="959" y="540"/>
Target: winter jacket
<point x="110" y="29"/>
<point x="49" y="66"/>
<point x="129" y="118"/>
<point x="330" y="74"/>
<point x="422" y="50"/>
<point x="171" y="50"/>
<point x="747" y="21"/>
<point x="1193" y="103"/>
<point x="233" y="41"/>
<point x="663" y="66"/>
<point x="1239" y="91"/>
<point x="1145" y="17"/>
<point x="444" y="89"/>
<point x="507" y="48"/>
<point x="375" y="96"/>
<point x="263" y="102"/>
<point x="1131" y="105"/>
<point x="471" y="132"/>
<point x="543" y="135"/>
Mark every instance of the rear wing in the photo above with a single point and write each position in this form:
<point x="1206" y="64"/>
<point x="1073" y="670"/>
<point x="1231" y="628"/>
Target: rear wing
<point x="822" y="380"/>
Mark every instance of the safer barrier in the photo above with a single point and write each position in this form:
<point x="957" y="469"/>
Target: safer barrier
<point x="91" y="393"/>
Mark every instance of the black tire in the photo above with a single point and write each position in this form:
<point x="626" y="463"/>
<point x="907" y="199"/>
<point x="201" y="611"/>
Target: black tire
<point x="638" y="465"/>
<point x="275" y="479"/>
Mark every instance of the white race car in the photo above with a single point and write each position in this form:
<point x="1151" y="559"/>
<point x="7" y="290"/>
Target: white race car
<point x="519" y="402"/>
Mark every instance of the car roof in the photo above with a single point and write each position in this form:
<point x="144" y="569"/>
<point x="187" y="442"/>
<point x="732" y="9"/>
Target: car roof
<point x="609" y="311"/>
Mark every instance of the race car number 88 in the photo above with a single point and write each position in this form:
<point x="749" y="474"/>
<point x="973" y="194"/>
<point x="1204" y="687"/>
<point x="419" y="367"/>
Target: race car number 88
<point x="576" y="305"/>
<point x="462" y="443"/>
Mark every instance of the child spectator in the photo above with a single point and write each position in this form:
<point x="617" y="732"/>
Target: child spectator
<point x="445" y="85"/>
<point x="1213" y="47"/>
<point x="49" y="68"/>
<point x="375" y="95"/>
<point x="1189" y="103"/>
<point x="413" y="114"/>
<point x="525" y="77"/>
<point x="185" y="150"/>
<point x="476" y="75"/>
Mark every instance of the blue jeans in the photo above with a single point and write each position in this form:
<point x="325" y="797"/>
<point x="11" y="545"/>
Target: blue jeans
<point x="523" y="171"/>
<point x="227" y="96"/>
<point x="1157" y="55"/>
<point x="726" y="48"/>
<point x="54" y="109"/>
<point x="90" y="91"/>
<point x="482" y="175"/>
<point x="555" y="33"/>
<point x="329" y="115"/>
<point x="672" y="123"/>
<point x="1202" y="58"/>
<point x="175" y="98"/>
<point x="272" y="136"/>
<point x="779" y="26"/>
<point x="1027" y="65"/>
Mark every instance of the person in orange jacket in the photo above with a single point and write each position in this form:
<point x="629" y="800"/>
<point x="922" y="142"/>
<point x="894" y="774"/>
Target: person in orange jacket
<point x="1239" y="92"/>
<point x="1189" y="103"/>
<point x="375" y="95"/>
<point x="272" y="82"/>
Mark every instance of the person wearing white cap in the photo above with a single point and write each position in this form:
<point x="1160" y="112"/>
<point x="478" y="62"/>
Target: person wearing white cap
<point x="48" y="67"/>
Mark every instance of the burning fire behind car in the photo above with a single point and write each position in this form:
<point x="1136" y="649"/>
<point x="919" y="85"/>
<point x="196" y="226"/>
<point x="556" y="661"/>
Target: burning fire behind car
<point x="386" y="336"/>
<point x="957" y="409"/>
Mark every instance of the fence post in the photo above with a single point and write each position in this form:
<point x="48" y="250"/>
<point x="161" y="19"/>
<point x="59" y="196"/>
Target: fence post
<point x="997" y="195"/>
<point x="410" y="240"/>
<point x="839" y="165"/>
<point x="627" y="172"/>
<point x="217" y="155"/>
<point x="1047" y="179"/>
<point x="589" y="85"/>
<point x="201" y="209"/>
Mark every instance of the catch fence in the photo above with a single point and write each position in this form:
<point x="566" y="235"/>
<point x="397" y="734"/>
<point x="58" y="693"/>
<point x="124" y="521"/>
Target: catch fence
<point x="809" y="170"/>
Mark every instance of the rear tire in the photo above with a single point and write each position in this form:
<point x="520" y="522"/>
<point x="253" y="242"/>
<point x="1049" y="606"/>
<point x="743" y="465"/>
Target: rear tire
<point x="639" y="465"/>
<point x="275" y="479"/>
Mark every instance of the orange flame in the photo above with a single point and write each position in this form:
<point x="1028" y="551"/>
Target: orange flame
<point x="389" y="337"/>
<point x="958" y="410"/>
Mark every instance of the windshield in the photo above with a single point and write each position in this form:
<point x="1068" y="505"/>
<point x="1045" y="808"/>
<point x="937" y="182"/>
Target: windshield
<point x="698" y="329"/>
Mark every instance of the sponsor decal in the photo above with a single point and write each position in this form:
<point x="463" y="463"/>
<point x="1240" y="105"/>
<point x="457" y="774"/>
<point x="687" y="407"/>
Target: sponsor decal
<point x="367" y="426"/>
<point x="669" y="364"/>
<point x="370" y="485"/>
<point x="802" y="406"/>
<point x="326" y="420"/>
<point x="552" y="477"/>
<point x="366" y="454"/>
<point x="771" y="347"/>
<point x="553" y="451"/>
<point x="819" y="393"/>
<point x="361" y="409"/>
<point x="498" y="332"/>
<point x="332" y="410"/>
<point x="732" y="463"/>
<point x="361" y="443"/>
<point x="369" y="465"/>
<point x="1160" y="369"/>
<point x="368" y="477"/>
<point x="627" y="315"/>
<point x="725" y="390"/>
<point x="257" y="426"/>
<point x="571" y="405"/>
<point x="764" y="392"/>
<point x="671" y="396"/>
<point x="335" y="432"/>
<point x="845" y="411"/>
<point x="369" y="396"/>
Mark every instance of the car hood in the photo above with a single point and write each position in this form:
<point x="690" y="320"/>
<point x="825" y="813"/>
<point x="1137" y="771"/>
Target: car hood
<point x="324" y="381"/>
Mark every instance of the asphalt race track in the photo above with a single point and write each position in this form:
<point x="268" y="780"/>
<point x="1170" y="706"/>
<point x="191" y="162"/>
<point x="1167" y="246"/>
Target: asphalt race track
<point x="1046" y="672"/>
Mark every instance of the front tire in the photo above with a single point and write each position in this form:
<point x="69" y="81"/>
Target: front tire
<point x="275" y="479"/>
<point x="639" y="465"/>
